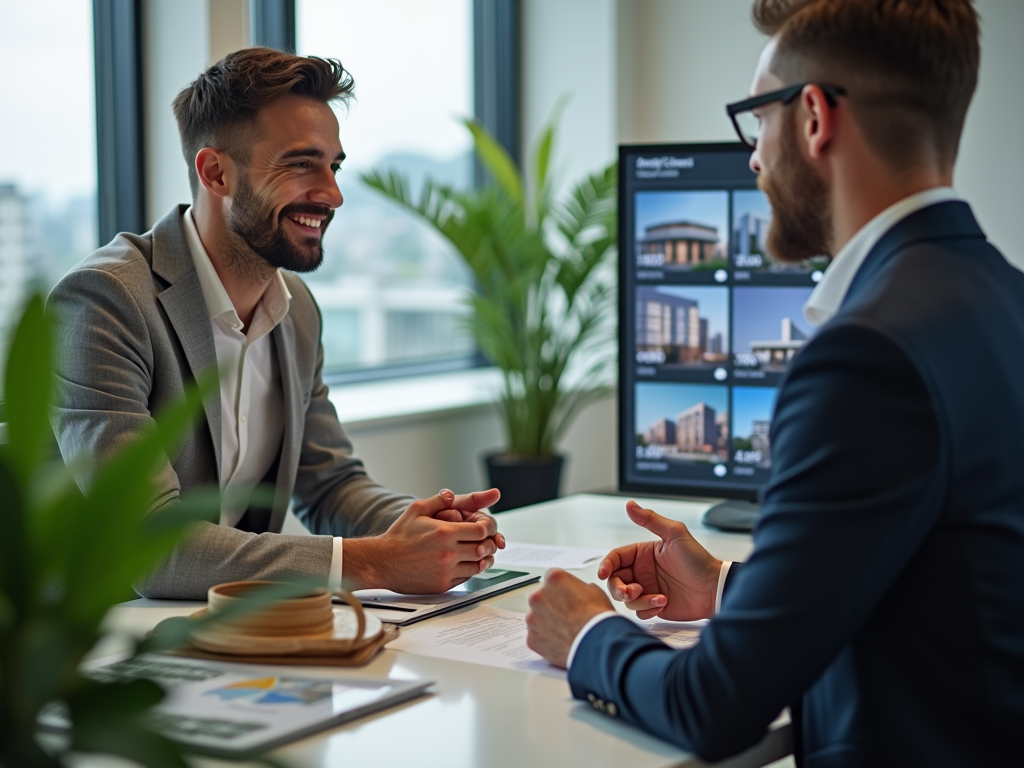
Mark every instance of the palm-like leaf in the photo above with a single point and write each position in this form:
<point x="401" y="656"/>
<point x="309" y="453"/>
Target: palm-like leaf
<point x="543" y="286"/>
<point x="66" y="556"/>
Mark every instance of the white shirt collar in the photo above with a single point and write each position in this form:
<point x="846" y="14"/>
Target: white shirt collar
<point x="829" y="294"/>
<point x="275" y="300"/>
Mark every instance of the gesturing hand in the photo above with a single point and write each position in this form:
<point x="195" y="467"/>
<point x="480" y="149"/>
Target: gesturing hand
<point x="675" y="578"/>
<point x="421" y="553"/>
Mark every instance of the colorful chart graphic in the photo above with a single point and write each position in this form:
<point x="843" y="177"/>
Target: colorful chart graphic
<point x="275" y="690"/>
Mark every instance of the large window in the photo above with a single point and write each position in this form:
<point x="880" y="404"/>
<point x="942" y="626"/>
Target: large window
<point x="391" y="290"/>
<point x="47" y="145"/>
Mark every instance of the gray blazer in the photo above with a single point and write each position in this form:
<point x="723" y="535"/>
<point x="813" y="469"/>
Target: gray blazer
<point x="133" y="332"/>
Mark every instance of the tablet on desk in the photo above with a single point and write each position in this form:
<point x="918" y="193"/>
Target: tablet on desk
<point x="402" y="610"/>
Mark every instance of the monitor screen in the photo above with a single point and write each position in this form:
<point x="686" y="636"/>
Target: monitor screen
<point x="708" y="321"/>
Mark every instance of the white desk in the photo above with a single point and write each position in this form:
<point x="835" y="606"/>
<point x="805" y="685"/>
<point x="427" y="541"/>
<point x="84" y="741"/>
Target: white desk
<point x="488" y="717"/>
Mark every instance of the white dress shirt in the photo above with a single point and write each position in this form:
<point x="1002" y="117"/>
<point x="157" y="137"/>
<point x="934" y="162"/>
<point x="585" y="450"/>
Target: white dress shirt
<point x="251" y="398"/>
<point x="823" y="304"/>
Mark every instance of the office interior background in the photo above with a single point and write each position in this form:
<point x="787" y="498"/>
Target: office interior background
<point x="412" y="393"/>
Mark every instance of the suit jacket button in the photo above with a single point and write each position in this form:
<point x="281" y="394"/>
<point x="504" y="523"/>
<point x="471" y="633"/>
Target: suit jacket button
<point x="591" y="698"/>
<point x="613" y="710"/>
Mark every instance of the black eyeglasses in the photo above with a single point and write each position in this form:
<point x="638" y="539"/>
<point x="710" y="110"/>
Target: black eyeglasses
<point x="748" y="125"/>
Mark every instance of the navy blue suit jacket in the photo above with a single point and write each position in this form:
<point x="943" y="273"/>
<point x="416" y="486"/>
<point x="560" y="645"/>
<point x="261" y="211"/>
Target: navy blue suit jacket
<point x="884" y="598"/>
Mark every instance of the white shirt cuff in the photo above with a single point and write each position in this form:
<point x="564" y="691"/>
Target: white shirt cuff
<point x="721" y="584"/>
<point x="334" y="575"/>
<point x="586" y="628"/>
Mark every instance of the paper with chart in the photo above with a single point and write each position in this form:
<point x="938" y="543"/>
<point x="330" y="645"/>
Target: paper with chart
<point x="545" y="556"/>
<point x="483" y="635"/>
<point x="241" y="707"/>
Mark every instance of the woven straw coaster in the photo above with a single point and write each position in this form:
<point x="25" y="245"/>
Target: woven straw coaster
<point x="351" y="659"/>
<point x="306" y="630"/>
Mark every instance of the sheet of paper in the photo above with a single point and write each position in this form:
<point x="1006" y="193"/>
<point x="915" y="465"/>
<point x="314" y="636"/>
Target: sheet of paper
<point x="545" y="556"/>
<point x="678" y="634"/>
<point x="482" y="635"/>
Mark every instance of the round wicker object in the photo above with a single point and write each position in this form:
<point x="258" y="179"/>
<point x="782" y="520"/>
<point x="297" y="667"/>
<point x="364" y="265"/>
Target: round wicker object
<point x="302" y="626"/>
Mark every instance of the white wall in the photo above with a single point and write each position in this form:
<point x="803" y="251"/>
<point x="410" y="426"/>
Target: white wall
<point x="680" y="62"/>
<point x="990" y="170"/>
<point x="568" y="49"/>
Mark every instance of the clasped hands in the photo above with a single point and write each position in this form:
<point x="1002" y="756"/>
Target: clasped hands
<point x="435" y="544"/>
<point x="674" y="578"/>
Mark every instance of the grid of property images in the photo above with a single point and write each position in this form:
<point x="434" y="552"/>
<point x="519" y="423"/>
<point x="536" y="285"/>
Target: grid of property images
<point x="716" y="322"/>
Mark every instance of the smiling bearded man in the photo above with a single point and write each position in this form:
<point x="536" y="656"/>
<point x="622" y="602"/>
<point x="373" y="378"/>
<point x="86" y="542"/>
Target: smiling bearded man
<point x="211" y="287"/>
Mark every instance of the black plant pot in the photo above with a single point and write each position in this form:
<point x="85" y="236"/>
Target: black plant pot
<point x="524" y="480"/>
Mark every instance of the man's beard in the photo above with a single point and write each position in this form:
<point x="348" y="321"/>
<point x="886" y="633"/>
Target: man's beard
<point x="801" y="226"/>
<point x="252" y="219"/>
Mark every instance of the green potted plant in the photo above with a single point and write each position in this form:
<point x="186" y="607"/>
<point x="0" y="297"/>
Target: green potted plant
<point x="66" y="557"/>
<point x="544" y="301"/>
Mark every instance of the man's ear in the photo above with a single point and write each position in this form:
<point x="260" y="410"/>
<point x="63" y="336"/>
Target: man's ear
<point x="216" y="171"/>
<point x="818" y="123"/>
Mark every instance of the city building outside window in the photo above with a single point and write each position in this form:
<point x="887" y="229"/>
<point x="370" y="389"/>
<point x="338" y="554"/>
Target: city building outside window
<point x="390" y="289"/>
<point x="47" y="146"/>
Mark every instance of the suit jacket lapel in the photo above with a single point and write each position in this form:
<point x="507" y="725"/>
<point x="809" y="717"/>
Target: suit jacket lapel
<point x="185" y="306"/>
<point x="294" y="423"/>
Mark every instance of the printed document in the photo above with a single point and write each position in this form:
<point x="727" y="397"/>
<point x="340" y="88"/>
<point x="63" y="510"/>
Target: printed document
<point x="497" y="638"/>
<point x="483" y="635"/>
<point x="545" y="556"/>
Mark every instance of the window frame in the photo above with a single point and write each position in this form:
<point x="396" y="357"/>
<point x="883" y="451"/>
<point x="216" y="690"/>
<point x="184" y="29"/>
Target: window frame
<point x="121" y="187"/>
<point x="272" y="23"/>
<point x="120" y="146"/>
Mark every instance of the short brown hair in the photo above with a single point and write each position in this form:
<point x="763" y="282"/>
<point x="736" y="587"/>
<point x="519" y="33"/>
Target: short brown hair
<point x="220" y="108"/>
<point x="910" y="67"/>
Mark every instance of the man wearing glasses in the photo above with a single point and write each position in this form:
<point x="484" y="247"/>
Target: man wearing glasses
<point x="884" y="599"/>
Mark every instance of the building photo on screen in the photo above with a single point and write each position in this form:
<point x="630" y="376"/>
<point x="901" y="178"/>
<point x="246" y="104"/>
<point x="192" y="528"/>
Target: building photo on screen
<point x="681" y="424"/>
<point x="768" y="329"/>
<point x="682" y="231"/>
<point x="682" y="326"/>
<point x="752" y="409"/>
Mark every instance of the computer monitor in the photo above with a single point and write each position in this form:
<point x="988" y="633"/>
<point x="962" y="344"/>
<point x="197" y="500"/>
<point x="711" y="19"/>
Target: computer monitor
<point x="708" y="321"/>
